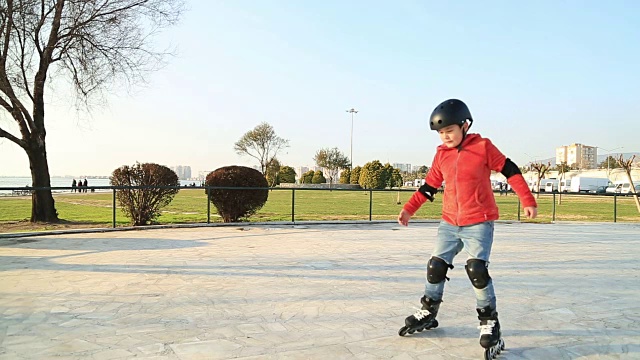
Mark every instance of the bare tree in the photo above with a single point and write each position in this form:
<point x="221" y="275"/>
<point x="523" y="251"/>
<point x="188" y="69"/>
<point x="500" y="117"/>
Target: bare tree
<point x="143" y="205"/>
<point x="88" y="42"/>
<point x="540" y="169"/>
<point x="627" y="165"/>
<point x="563" y="168"/>
<point x="261" y="143"/>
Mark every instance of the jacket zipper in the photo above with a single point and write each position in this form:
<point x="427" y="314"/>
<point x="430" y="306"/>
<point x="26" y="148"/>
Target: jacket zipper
<point x="455" y="179"/>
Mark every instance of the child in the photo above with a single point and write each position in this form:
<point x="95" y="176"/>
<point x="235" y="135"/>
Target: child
<point x="464" y="161"/>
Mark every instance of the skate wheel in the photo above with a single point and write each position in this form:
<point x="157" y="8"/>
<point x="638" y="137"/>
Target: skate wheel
<point x="501" y="344"/>
<point x="434" y="325"/>
<point x="403" y="331"/>
<point x="411" y="332"/>
<point x="419" y="330"/>
<point x="490" y="354"/>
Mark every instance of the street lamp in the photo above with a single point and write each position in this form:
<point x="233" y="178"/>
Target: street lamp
<point x="535" y="158"/>
<point x="352" y="111"/>
<point x="607" y="158"/>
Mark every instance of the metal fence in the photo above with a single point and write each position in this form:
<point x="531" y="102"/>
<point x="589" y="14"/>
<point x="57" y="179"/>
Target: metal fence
<point x="547" y="201"/>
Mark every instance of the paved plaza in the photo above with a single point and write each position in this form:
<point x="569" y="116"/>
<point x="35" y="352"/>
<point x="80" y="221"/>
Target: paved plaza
<point x="313" y="291"/>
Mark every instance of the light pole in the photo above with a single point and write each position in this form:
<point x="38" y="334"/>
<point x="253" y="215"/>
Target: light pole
<point x="535" y="158"/>
<point x="352" y="111"/>
<point x="607" y="158"/>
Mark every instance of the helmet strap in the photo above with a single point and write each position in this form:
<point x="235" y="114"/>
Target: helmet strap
<point x="464" y="134"/>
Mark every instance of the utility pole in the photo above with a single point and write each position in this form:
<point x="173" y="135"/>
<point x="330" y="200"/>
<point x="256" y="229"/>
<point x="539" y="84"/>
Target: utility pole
<point x="352" y="111"/>
<point x="607" y="158"/>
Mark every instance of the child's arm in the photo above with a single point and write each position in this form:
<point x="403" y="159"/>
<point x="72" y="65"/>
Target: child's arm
<point x="433" y="180"/>
<point x="514" y="177"/>
<point x="498" y="162"/>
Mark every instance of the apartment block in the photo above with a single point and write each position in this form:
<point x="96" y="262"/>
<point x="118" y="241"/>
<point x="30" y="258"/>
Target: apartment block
<point x="578" y="155"/>
<point x="183" y="172"/>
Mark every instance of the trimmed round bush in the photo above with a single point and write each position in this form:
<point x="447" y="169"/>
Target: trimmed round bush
<point x="235" y="204"/>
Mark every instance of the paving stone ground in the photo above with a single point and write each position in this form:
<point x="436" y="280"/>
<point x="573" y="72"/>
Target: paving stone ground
<point x="565" y="291"/>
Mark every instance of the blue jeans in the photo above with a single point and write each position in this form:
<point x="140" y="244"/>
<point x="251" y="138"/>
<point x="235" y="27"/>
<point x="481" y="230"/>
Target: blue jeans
<point x="476" y="240"/>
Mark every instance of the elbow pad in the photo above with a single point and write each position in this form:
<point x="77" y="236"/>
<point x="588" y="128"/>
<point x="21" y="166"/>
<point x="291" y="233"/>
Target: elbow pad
<point x="509" y="169"/>
<point x="428" y="191"/>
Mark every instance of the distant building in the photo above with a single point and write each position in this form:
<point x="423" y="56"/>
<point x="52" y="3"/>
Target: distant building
<point x="183" y="172"/>
<point x="301" y="170"/>
<point x="402" y="167"/>
<point x="578" y="155"/>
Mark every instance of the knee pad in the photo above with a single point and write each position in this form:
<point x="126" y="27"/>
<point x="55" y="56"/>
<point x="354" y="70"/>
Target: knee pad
<point x="478" y="272"/>
<point x="437" y="270"/>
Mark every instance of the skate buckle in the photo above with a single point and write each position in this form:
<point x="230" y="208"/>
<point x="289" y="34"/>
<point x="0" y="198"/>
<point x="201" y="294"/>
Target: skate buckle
<point x="421" y="314"/>
<point x="488" y="328"/>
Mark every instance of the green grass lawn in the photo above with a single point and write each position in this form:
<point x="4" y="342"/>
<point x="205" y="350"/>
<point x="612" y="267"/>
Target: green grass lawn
<point x="190" y="206"/>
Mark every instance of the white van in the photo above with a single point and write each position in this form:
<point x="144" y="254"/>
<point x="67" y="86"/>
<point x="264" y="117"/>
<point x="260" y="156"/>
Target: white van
<point x="533" y="185"/>
<point x="581" y="184"/>
<point x="625" y="188"/>
<point x="550" y="185"/>
<point x="565" y="185"/>
<point x="616" y="187"/>
<point x="613" y="188"/>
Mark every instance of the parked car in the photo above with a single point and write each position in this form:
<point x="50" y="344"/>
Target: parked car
<point x="614" y="188"/>
<point x="599" y="190"/>
<point x="622" y="188"/>
<point x="637" y="187"/>
<point x="625" y="188"/>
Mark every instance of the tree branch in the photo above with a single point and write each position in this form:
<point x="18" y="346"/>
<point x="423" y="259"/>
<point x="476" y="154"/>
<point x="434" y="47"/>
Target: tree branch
<point x="18" y="112"/>
<point x="43" y="16"/>
<point x="19" y="142"/>
<point x="6" y="105"/>
<point x="22" y="40"/>
<point x="6" y="29"/>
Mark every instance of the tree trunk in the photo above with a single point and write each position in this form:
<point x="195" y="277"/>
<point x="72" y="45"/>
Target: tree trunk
<point x="42" y="203"/>
<point x="633" y="189"/>
<point x="559" y="189"/>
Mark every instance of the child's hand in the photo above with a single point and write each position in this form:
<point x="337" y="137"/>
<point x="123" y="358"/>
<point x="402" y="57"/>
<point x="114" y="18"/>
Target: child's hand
<point x="531" y="212"/>
<point x="403" y="217"/>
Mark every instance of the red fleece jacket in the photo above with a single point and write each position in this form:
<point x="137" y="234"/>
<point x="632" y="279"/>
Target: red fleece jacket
<point x="468" y="196"/>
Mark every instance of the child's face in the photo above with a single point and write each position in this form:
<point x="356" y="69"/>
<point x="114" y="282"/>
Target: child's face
<point x="451" y="135"/>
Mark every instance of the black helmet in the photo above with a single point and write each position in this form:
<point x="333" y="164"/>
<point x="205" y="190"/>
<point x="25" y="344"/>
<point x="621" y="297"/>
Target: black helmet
<point x="450" y="112"/>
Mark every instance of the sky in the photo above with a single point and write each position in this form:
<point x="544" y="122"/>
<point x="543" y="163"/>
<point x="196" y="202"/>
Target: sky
<point x="535" y="75"/>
